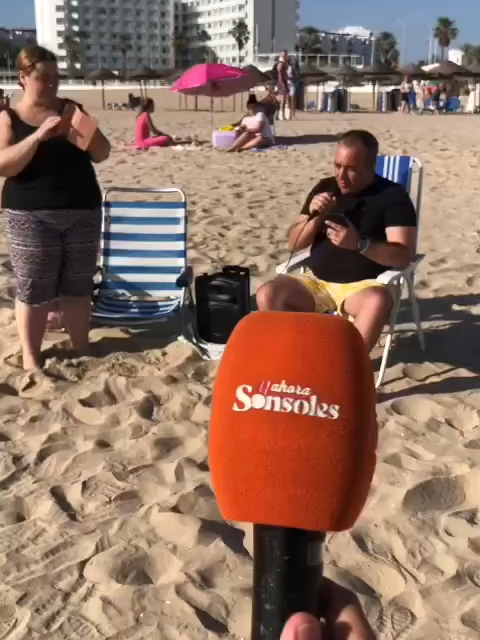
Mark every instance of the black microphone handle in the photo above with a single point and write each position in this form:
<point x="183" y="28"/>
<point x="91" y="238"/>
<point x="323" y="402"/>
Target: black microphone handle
<point x="287" y="570"/>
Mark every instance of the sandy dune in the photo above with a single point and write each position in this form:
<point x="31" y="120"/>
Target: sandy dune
<point x="108" y="523"/>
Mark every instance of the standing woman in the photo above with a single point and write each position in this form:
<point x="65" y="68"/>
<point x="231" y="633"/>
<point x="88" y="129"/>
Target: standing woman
<point x="52" y="203"/>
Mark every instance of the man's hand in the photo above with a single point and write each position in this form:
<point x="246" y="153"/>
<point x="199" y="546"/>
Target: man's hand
<point x="345" y="619"/>
<point x="322" y="204"/>
<point x="341" y="236"/>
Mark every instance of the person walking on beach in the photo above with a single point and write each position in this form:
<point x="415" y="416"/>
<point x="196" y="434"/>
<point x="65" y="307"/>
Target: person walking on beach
<point x="405" y="90"/>
<point x="52" y="203"/>
<point x="282" y="86"/>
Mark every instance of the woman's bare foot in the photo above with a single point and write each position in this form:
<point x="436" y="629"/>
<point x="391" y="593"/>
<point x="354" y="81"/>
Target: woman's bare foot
<point x="32" y="362"/>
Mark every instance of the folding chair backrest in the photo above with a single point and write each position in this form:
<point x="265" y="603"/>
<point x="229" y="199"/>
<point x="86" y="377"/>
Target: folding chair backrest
<point x="400" y="169"/>
<point x="396" y="168"/>
<point x="144" y="246"/>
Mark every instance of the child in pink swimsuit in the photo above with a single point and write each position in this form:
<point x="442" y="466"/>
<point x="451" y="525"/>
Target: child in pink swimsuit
<point x="145" y="127"/>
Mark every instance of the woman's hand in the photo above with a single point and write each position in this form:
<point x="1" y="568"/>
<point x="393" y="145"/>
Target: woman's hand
<point x="48" y="128"/>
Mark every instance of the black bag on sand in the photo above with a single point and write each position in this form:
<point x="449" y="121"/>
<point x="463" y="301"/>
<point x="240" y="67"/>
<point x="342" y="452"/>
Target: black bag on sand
<point x="222" y="299"/>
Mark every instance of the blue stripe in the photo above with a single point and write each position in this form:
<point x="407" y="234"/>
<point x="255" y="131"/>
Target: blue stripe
<point x="147" y="221"/>
<point x="139" y="286"/>
<point x="144" y="253"/>
<point x="118" y="269"/>
<point x="145" y="205"/>
<point x="403" y="170"/>
<point x="145" y="237"/>
<point x="115" y="305"/>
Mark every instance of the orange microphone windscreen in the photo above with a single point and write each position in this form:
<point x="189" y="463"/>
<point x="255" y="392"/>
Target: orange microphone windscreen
<point x="293" y="429"/>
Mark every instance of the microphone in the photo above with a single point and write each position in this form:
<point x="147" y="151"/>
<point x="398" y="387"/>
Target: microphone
<point x="334" y="191"/>
<point x="292" y="449"/>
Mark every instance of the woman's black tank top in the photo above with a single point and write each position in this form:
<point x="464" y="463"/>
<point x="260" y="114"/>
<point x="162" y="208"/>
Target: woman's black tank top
<point x="59" y="176"/>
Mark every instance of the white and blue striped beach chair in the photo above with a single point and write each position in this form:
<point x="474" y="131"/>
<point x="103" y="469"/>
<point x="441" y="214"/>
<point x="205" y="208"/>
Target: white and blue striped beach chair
<point x="143" y="259"/>
<point x="399" y="169"/>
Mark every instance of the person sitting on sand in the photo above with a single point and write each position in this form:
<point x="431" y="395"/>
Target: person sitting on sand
<point x="358" y="225"/>
<point x="146" y="133"/>
<point x="255" y="131"/>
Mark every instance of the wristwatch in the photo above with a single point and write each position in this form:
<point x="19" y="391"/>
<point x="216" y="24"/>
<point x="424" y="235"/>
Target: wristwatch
<point x="363" y="245"/>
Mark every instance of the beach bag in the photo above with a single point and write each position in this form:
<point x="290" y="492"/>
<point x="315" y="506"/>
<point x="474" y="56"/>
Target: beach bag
<point x="222" y="299"/>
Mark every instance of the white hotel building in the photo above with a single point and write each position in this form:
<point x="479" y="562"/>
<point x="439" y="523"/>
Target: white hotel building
<point x="272" y="25"/>
<point x="150" y="27"/>
<point x="147" y="26"/>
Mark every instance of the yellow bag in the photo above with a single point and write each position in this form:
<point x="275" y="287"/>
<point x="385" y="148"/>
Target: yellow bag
<point x="227" y="127"/>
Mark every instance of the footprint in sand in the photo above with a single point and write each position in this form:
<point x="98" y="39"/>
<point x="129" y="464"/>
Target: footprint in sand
<point x="435" y="494"/>
<point x="463" y="524"/>
<point x="443" y="493"/>
<point x="13" y="622"/>
<point x="133" y="566"/>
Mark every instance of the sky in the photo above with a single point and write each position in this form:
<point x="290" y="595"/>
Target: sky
<point x="375" y="15"/>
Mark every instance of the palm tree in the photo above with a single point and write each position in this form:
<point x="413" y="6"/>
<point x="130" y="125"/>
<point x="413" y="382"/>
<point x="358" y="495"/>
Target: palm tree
<point x="205" y="51"/>
<point x="181" y="46"/>
<point x="241" y="34"/>
<point x="309" y="40"/>
<point x="124" y="46"/>
<point x="74" y="49"/>
<point x="471" y="54"/>
<point x="386" y="49"/>
<point x="445" y="32"/>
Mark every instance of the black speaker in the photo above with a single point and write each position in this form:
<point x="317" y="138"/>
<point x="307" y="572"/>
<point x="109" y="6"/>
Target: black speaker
<point x="221" y="300"/>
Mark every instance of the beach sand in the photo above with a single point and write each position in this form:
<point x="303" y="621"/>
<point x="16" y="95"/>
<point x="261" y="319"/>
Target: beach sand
<point x="108" y="523"/>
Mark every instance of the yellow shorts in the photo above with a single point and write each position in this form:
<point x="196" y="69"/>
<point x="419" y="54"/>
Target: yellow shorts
<point x="330" y="296"/>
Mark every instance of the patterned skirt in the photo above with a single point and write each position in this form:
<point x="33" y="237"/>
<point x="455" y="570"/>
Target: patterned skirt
<point x="53" y="253"/>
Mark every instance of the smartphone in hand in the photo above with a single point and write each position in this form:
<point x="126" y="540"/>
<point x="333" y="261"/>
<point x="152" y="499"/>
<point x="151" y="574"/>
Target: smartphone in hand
<point x="82" y="129"/>
<point x="66" y="119"/>
<point x="338" y="218"/>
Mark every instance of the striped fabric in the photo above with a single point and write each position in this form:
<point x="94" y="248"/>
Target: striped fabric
<point x="144" y="253"/>
<point x="396" y="168"/>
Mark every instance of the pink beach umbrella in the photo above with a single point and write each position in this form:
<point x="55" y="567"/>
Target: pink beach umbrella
<point x="214" y="81"/>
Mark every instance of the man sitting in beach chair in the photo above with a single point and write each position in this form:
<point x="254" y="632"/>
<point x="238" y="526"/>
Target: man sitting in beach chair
<point x="359" y="225"/>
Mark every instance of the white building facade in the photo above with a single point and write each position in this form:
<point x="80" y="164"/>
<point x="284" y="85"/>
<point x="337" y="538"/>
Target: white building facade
<point x="456" y="56"/>
<point x="272" y="26"/>
<point x="116" y="34"/>
<point x="128" y="34"/>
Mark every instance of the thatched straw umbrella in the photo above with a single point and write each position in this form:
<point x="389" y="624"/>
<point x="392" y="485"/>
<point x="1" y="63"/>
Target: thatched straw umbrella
<point x="376" y="73"/>
<point x="258" y="78"/>
<point x="100" y="75"/>
<point x="144" y="74"/>
<point x="473" y="72"/>
<point x="413" y="71"/>
<point x="447" y="69"/>
<point x="346" y="74"/>
<point x="316" y="75"/>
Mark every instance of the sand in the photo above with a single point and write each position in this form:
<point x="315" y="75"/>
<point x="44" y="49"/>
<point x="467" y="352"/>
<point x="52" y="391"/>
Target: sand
<point x="108" y="523"/>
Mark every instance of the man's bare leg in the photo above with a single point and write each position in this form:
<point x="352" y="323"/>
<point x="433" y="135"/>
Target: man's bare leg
<point x="285" y="293"/>
<point x="371" y="309"/>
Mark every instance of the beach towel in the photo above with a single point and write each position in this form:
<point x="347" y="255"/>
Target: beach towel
<point x="275" y="147"/>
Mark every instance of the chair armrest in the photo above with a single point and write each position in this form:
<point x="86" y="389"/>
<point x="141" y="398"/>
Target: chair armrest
<point x="393" y="276"/>
<point x="297" y="260"/>
<point x="185" y="279"/>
